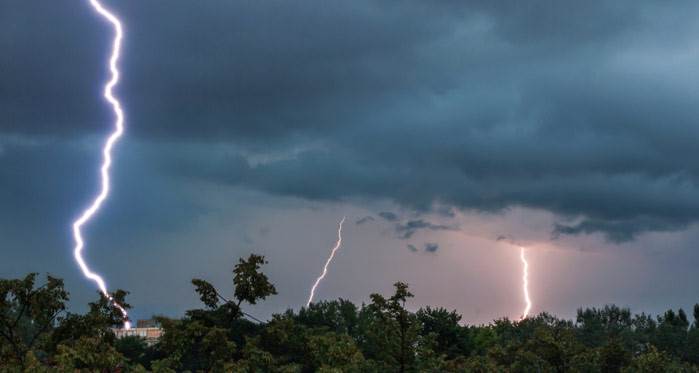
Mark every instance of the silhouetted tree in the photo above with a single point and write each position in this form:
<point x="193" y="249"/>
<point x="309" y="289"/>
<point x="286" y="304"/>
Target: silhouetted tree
<point x="38" y="335"/>
<point x="27" y="315"/>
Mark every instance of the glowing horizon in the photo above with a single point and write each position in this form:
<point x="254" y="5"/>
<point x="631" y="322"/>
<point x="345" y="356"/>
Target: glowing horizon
<point x="92" y="209"/>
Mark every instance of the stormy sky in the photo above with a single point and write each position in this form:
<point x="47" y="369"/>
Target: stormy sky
<point x="448" y="132"/>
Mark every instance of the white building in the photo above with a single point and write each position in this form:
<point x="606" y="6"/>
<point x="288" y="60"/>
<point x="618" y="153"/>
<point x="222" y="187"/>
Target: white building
<point x="150" y="332"/>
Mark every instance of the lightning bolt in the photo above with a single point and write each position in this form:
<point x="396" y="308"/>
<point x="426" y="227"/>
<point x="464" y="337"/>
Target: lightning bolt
<point x="92" y="209"/>
<point x="327" y="263"/>
<point x="525" y="283"/>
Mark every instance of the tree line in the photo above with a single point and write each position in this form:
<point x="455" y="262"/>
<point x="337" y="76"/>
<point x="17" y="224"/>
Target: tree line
<point x="38" y="334"/>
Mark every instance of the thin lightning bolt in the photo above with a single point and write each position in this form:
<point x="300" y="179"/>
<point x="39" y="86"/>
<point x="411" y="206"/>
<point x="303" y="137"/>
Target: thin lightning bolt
<point x="325" y="268"/>
<point x="106" y="156"/>
<point x="525" y="283"/>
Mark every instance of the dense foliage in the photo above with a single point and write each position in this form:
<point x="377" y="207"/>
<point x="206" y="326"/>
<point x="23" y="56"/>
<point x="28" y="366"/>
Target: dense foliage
<point x="38" y="335"/>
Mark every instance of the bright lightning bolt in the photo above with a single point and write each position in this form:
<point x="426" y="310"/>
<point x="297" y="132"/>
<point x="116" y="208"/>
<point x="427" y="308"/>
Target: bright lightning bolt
<point x="88" y="213"/>
<point x="525" y="283"/>
<point x="327" y="263"/>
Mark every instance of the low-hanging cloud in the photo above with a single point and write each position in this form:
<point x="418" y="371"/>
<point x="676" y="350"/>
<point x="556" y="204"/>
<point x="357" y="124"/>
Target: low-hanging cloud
<point x="364" y="220"/>
<point x="390" y="216"/>
<point x="408" y="229"/>
<point x="431" y="247"/>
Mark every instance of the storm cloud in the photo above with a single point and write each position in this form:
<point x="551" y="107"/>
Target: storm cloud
<point x="583" y="109"/>
<point x="364" y="220"/>
<point x="390" y="216"/>
<point x="408" y="229"/>
<point x="431" y="247"/>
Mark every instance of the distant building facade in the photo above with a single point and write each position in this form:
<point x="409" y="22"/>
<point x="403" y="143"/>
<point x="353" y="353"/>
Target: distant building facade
<point x="149" y="330"/>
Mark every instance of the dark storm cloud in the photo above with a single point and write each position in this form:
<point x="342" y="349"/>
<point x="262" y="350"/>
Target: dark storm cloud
<point x="585" y="109"/>
<point x="387" y="215"/>
<point x="363" y="220"/>
<point x="49" y="68"/>
<point x="408" y="229"/>
<point x="431" y="247"/>
<point x="617" y="231"/>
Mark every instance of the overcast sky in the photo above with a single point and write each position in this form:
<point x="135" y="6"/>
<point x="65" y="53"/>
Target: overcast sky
<point x="448" y="132"/>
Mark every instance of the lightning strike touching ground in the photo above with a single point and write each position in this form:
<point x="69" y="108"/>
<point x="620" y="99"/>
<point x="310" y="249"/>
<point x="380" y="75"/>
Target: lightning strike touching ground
<point x="525" y="283"/>
<point x="325" y="268"/>
<point x="88" y="213"/>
